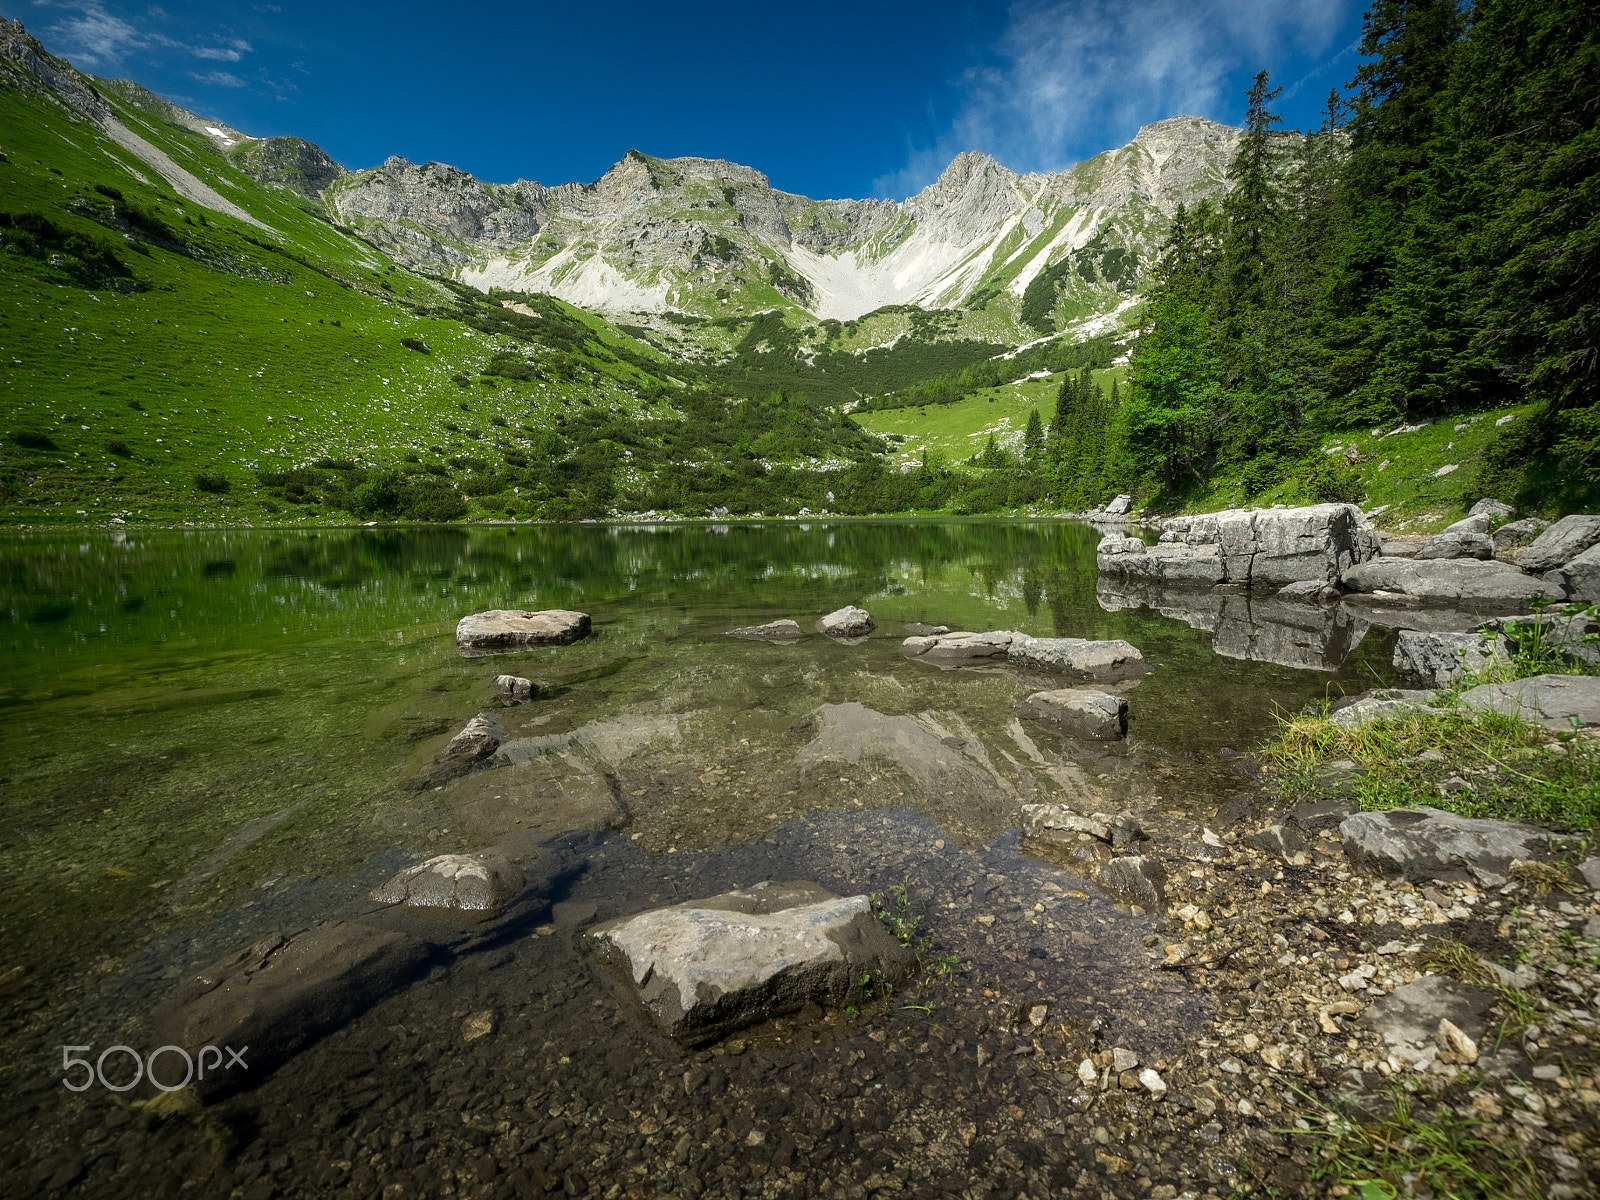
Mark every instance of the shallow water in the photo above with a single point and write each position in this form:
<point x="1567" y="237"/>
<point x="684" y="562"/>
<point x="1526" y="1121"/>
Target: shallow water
<point x="208" y="736"/>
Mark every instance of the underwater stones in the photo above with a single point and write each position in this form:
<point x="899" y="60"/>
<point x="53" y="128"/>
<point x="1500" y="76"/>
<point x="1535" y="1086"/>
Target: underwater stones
<point x="470" y="886"/>
<point x="1554" y="701"/>
<point x="1427" y="843"/>
<point x="958" y="649"/>
<point x="503" y="629"/>
<point x="1135" y="879"/>
<point x="281" y="993"/>
<point x="1104" y="659"/>
<point x="846" y="622"/>
<point x="708" y="966"/>
<point x="1437" y="660"/>
<point x="1085" y="712"/>
<point x="480" y="738"/>
<point x="782" y="631"/>
<point x="514" y="689"/>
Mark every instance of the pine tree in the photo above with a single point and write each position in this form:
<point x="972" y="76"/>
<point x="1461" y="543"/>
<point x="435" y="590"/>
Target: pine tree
<point x="1033" y="437"/>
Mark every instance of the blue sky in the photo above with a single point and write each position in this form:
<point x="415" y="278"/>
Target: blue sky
<point x="828" y="99"/>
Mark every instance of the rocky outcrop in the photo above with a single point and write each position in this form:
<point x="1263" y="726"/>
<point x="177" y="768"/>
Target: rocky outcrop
<point x="1554" y="701"/>
<point x="470" y="887"/>
<point x="1427" y="843"/>
<point x="1561" y="543"/>
<point x="784" y="630"/>
<point x="846" y="622"/>
<point x="1083" y="712"/>
<point x="1260" y="548"/>
<point x="504" y="629"/>
<point x="281" y="993"/>
<point x="708" y="966"/>
<point x="1460" y="581"/>
<point x="1435" y="660"/>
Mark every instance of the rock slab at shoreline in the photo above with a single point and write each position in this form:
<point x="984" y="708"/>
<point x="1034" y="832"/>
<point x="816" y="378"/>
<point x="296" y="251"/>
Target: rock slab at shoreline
<point x="708" y="966"/>
<point x="1111" y="658"/>
<point x="1553" y="701"/>
<point x="1085" y="712"/>
<point x="1417" y="844"/>
<point x="783" y="630"/>
<point x="1449" y="581"/>
<point x="503" y="629"/>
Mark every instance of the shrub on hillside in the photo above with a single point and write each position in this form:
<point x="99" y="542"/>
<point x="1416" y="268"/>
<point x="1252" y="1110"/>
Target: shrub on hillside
<point x="1335" y="483"/>
<point x="32" y="439"/>
<point x="214" y="483"/>
<point x="417" y="344"/>
<point x="119" y="448"/>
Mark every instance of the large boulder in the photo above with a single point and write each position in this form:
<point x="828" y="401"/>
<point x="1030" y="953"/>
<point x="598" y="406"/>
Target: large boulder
<point x="959" y="648"/>
<point x="1518" y="533"/>
<point x="1085" y="712"/>
<point x="1436" y="660"/>
<point x="1553" y="701"/>
<point x="470" y="887"/>
<point x="1119" y="506"/>
<point x="707" y="966"/>
<point x="783" y="631"/>
<point x="1427" y="843"/>
<point x="1457" y="543"/>
<point x="1107" y="659"/>
<point x="1473" y="522"/>
<point x="1457" y="581"/>
<point x="504" y="629"/>
<point x="1561" y="543"/>
<point x="281" y="993"/>
<point x="846" y="622"/>
<point x="1262" y="547"/>
<point x="1580" y="576"/>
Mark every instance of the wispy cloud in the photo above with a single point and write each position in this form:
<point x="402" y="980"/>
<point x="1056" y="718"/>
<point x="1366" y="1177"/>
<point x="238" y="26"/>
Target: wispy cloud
<point x="218" y="79"/>
<point x="93" y="37"/>
<point x="1068" y="74"/>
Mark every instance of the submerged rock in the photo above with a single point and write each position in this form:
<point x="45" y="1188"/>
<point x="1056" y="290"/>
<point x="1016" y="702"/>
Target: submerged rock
<point x="846" y="622"/>
<point x="1426" y="843"/>
<point x="1549" y="700"/>
<point x="514" y="689"/>
<point x="470" y="886"/>
<point x="783" y="630"/>
<point x="1136" y="879"/>
<point x="1081" y="711"/>
<point x="281" y="993"/>
<point x="958" y="649"/>
<point x="1107" y="659"/>
<point x="512" y="629"/>
<point x="708" y="966"/>
<point x="1561" y="543"/>
<point x="479" y="740"/>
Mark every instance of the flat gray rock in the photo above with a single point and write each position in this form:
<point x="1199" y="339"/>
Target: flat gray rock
<point x="504" y="629"/>
<point x="1281" y="841"/>
<point x="1492" y="509"/>
<point x="1457" y="543"/>
<point x="279" y="994"/>
<point x="1111" y="658"/>
<point x="1561" y="543"/>
<point x="1449" y="581"/>
<point x="1309" y="591"/>
<point x="470" y="887"/>
<point x="1084" y="712"/>
<point x="846" y="622"/>
<point x="1436" y="660"/>
<point x="1580" y="576"/>
<point x="482" y="736"/>
<point x="1411" y="1013"/>
<point x="1426" y="843"/>
<point x="1058" y="823"/>
<point x="960" y="648"/>
<point x="1377" y="708"/>
<point x="773" y="631"/>
<point x="1549" y="700"/>
<point x="1473" y="522"/>
<point x="708" y="966"/>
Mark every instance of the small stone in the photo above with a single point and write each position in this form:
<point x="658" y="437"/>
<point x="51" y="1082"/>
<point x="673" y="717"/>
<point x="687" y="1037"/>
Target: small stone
<point x="479" y="1024"/>
<point x="514" y="689"/>
<point x="846" y="622"/>
<point x="1123" y="1059"/>
<point x="1153" y="1083"/>
<point x="1250" y="1042"/>
<point x="1547" y="1071"/>
<point x="1456" y="1043"/>
<point x="1246" y="1109"/>
<point x="783" y="631"/>
<point x="1087" y="1072"/>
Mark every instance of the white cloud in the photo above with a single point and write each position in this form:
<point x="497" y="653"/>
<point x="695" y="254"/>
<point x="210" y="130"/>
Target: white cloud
<point x="218" y="79"/>
<point x="93" y="37"/>
<point x="1071" y="73"/>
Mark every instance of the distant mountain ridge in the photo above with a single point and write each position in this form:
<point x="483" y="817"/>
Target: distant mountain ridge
<point x="1034" y="254"/>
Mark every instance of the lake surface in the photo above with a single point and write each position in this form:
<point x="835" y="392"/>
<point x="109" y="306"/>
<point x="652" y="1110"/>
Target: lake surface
<point x="207" y="736"/>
